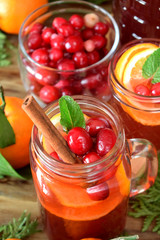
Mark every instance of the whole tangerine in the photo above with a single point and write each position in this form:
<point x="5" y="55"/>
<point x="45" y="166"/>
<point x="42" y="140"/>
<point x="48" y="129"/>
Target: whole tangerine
<point x="14" y="12"/>
<point x="17" y="154"/>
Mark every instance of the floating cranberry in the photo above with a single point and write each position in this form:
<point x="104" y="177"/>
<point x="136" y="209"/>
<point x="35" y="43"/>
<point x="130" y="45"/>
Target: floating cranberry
<point x="55" y="54"/>
<point x="155" y="89"/>
<point x="92" y="81"/>
<point x="37" y="27"/>
<point x="89" y="45"/>
<point x="34" y="40"/>
<point x="66" y="30"/>
<point x="74" y="44"/>
<point x="77" y="21"/>
<point x="90" y="19"/>
<point x="105" y="141"/>
<point x="45" y="77"/>
<point x="98" y="192"/>
<point x="55" y="155"/>
<point x="95" y="124"/>
<point x="46" y="34"/>
<point x="80" y="58"/>
<point x="67" y="91"/>
<point x="91" y="157"/>
<point x="101" y="28"/>
<point x="58" y="21"/>
<point x="49" y="93"/>
<point x="93" y="57"/>
<point x="77" y="87"/>
<point x="57" y="41"/>
<point x="87" y="33"/>
<point x="34" y="86"/>
<point x="79" y="141"/>
<point x="66" y="65"/>
<point x="41" y="56"/>
<point x="142" y="90"/>
<point x="63" y="83"/>
<point x="99" y="41"/>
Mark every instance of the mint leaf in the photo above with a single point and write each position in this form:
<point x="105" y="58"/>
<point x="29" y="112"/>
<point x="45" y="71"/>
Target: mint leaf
<point x="151" y="67"/>
<point x="71" y="113"/>
<point x="7" y="170"/>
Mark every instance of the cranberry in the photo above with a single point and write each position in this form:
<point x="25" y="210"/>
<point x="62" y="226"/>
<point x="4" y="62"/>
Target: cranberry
<point x="105" y="141"/>
<point x="99" y="41"/>
<point x="91" y="157"/>
<point x="34" y="40"/>
<point x="77" y="87"/>
<point x="66" y="65"/>
<point x="46" y="77"/>
<point x="63" y="83"/>
<point x="46" y="34"/>
<point x="37" y="27"/>
<point x="93" y="57"/>
<point x="98" y="192"/>
<point x="89" y="45"/>
<point x="58" y="21"/>
<point x="79" y="141"/>
<point x="67" y="91"/>
<point x="55" y="155"/>
<point x="77" y="21"/>
<point x="55" y="54"/>
<point x="49" y="93"/>
<point x="142" y="90"/>
<point x="92" y="81"/>
<point x="80" y="58"/>
<point x="155" y="89"/>
<point x="66" y="30"/>
<point x="41" y="56"/>
<point x="95" y="124"/>
<point x="57" y="41"/>
<point x="101" y="28"/>
<point x="87" y="33"/>
<point x="74" y="44"/>
<point x="34" y="86"/>
<point x="90" y="19"/>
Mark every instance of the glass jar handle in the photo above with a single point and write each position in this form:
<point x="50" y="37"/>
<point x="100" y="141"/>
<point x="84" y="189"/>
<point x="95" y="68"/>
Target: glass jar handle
<point x="144" y="164"/>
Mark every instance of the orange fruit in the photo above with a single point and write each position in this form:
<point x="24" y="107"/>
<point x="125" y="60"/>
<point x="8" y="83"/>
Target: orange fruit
<point x="14" y="12"/>
<point x="17" y="154"/>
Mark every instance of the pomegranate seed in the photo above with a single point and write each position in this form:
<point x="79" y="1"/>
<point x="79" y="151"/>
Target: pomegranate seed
<point x="94" y="125"/>
<point x="58" y="21"/>
<point x="93" y="57"/>
<point x="142" y="90"/>
<point x="55" y="54"/>
<point x="57" y="41"/>
<point x="99" y="41"/>
<point x="49" y="93"/>
<point x="87" y="33"/>
<point x="46" y="34"/>
<point x="74" y="44"/>
<point x="98" y="192"/>
<point x="34" y="40"/>
<point x="92" y="81"/>
<point x="91" y="157"/>
<point x="105" y="141"/>
<point x="89" y="45"/>
<point x="37" y="27"/>
<point x="79" y="141"/>
<point x="77" y="21"/>
<point x="41" y="56"/>
<point x="45" y="77"/>
<point x="90" y="19"/>
<point x="155" y="89"/>
<point x="66" y="30"/>
<point x="80" y="58"/>
<point x="101" y="28"/>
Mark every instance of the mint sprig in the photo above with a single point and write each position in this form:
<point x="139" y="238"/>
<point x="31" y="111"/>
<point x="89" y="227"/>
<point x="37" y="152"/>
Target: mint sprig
<point x="71" y="113"/>
<point x="151" y="67"/>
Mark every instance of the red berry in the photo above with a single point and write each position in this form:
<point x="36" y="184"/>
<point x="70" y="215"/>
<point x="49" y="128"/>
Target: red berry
<point x="57" y="41"/>
<point x="79" y="141"/>
<point x="66" y="65"/>
<point x="155" y="89"/>
<point x="99" y="41"/>
<point x="91" y="157"/>
<point x="101" y="28"/>
<point x="98" y="192"/>
<point x="94" y="125"/>
<point x="87" y="33"/>
<point x="74" y="44"/>
<point x="55" y="155"/>
<point x="92" y="81"/>
<point x="67" y="91"/>
<point x="80" y="58"/>
<point x="105" y="141"/>
<point x="63" y="83"/>
<point x="55" y="54"/>
<point x="49" y="93"/>
<point x="46" y="34"/>
<point x="66" y="30"/>
<point x="58" y="21"/>
<point x="142" y="90"/>
<point x="89" y="45"/>
<point x="37" y="27"/>
<point x="93" y="57"/>
<point x="77" y="21"/>
<point x="34" y="40"/>
<point x="46" y="77"/>
<point x="41" y="56"/>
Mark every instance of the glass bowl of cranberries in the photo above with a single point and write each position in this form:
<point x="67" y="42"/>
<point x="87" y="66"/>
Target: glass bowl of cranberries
<point x="65" y="48"/>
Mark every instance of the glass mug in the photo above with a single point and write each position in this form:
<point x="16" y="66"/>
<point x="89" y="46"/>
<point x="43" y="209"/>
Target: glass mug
<point x="140" y="114"/>
<point x="67" y="210"/>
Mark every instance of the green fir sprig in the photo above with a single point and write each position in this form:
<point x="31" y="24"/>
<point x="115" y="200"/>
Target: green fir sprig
<point x="147" y="206"/>
<point x="19" y="228"/>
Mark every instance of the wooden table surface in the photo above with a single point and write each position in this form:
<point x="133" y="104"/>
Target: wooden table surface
<point x="15" y="195"/>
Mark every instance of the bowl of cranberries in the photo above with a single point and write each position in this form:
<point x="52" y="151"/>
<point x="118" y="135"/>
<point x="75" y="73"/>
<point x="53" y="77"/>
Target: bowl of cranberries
<point x="65" y="48"/>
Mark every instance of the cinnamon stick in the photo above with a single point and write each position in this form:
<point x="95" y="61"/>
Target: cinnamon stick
<point x="49" y="131"/>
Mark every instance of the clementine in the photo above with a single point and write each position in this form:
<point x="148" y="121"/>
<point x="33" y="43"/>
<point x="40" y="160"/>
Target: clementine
<point x="17" y="154"/>
<point x="14" y="12"/>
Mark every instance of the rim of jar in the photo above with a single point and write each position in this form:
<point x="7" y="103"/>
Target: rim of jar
<point x="80" y="70"/>
<point x="77" y="170"/>
<point x="120" y="88"/>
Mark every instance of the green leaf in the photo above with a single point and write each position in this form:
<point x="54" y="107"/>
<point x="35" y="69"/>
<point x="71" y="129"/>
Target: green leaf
<point x="151" y="67"/>
<point x="71" y="113"/>
<point x="7" y="170"/>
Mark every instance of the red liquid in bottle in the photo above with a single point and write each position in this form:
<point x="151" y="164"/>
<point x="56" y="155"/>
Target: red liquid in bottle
<point x="137" y="18"/>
